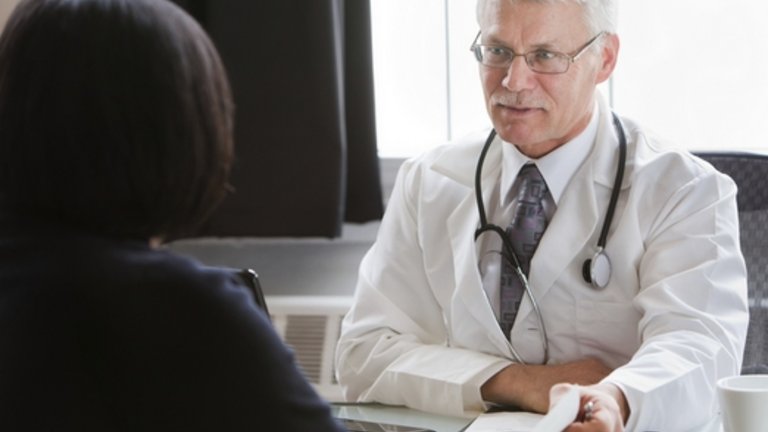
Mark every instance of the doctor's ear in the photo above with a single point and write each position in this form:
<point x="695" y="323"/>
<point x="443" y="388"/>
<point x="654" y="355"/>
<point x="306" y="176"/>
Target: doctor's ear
<point x="609" y="53"/>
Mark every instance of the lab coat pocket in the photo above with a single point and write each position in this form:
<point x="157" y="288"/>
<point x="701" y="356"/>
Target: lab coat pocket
<point x="607" y="330"/>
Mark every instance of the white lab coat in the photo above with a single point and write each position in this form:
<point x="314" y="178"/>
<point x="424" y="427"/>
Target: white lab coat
<point x="673" y="319"/>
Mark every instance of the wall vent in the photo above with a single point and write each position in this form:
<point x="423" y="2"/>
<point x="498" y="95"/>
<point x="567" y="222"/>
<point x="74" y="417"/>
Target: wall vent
<point x="310" y="326"/>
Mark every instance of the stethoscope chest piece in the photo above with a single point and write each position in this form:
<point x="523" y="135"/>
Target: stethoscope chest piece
<point x="597" y="270"/>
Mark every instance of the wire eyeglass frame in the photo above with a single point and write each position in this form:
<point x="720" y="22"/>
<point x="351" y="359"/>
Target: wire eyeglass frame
<point x="539" y="60"/>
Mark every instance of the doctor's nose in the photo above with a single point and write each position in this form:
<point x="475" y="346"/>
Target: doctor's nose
<point x="519" y="75"/>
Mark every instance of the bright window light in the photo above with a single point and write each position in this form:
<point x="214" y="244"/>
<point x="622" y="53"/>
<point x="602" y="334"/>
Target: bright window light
<point x="693" y="71"/>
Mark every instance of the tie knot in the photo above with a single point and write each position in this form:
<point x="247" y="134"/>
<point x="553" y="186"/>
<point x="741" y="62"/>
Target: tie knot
<point x="532" y="187"/>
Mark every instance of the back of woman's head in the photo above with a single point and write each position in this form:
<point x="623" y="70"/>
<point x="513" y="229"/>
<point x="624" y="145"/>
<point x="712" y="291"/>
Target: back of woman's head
<point x="115" y="117"/>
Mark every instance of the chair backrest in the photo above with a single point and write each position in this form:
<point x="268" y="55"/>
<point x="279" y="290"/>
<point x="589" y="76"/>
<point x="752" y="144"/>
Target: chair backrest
<point x="750" y="172"/>
<point x="251" y="279"/>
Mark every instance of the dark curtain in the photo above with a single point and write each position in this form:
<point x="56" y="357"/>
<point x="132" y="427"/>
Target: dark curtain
<point x="302" y="79"/>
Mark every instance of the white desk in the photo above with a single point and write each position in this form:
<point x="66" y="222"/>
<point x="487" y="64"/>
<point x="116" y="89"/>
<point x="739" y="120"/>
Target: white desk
<point x="401" y="416"/>
<point x="438" y="423"/>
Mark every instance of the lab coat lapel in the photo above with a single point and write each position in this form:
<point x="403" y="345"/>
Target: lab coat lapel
<point x="461" y="225"/>
<point x="469" y="288"/>
<point x="578" y="216"/>
<point x="568" y="233"/>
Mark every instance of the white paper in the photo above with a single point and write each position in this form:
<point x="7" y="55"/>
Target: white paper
<point x="558" y="418"/>
<point x="562" y="414"/>
<point x="505" y="422"/>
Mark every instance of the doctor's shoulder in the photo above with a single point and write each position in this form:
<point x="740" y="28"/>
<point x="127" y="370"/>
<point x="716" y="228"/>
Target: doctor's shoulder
<point x="447" y="164"/>
<point x="661" y="168"/>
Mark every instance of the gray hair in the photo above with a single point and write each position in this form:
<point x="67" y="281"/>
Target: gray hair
<point x="599" y="15"/>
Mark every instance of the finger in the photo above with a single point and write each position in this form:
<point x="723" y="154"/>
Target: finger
<point x="557" y="391"/>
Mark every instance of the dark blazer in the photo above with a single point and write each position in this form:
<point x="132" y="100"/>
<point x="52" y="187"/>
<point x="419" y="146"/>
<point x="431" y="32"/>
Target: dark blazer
<point x="103" y="334"/>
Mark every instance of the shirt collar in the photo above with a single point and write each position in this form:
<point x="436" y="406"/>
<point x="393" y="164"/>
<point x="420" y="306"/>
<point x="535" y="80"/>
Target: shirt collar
<point x="557" y="167"/>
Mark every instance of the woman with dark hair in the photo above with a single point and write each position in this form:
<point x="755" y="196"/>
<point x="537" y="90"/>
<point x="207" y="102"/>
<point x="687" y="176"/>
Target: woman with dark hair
<point x="115" y="134"/>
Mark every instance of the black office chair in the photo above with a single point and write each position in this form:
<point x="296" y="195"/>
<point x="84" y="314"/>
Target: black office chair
<point x="750" y="172"/>
<point x="250" y="279"/>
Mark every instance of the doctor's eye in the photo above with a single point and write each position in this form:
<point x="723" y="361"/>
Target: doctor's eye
<point x="496" y="52"/>
<point x="543" y="56"/>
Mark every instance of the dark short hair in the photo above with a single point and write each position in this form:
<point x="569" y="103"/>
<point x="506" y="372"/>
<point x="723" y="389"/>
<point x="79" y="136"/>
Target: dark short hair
<point x="115" y="116"/>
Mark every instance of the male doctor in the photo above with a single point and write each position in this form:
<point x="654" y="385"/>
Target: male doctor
<point x="443" y="321"/>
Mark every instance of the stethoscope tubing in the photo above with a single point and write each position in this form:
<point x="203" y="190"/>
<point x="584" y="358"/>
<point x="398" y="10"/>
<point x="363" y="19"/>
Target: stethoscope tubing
<point x="508" y="251"/>
<point x="616" y="183"/>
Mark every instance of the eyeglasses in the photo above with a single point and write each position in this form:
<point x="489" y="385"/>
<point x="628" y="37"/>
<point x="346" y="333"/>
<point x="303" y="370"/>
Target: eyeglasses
<point x="540" y="60"/>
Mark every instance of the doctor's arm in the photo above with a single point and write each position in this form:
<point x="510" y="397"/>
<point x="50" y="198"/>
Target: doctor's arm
<point x="394" y="347"/>
<point x="528" y="386"/>
<point x="693" y="301"/>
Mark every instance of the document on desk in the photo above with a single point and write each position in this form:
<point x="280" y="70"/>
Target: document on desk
<point x="558" y="418"/>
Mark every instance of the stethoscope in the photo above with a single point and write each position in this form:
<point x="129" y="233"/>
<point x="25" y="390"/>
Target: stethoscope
<point x="596" y="270"/>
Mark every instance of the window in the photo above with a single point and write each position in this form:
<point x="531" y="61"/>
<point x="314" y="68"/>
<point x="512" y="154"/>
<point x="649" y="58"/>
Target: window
<point x="427" y="89"/>
<point x="695" y="71"/>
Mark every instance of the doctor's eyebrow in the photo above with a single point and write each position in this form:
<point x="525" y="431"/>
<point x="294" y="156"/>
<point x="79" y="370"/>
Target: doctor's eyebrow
<point x="551" y="45"/>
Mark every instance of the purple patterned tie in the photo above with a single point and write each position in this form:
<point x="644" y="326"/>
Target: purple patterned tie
<point x="528" y="224"/>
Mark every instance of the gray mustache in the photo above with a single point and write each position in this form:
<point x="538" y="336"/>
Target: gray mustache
<point x="513" y="100"/>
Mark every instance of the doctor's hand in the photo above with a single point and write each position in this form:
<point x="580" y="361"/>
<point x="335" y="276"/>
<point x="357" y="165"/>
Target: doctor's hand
<point x="528" y="386"/>
<point x="602" y="407"/>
